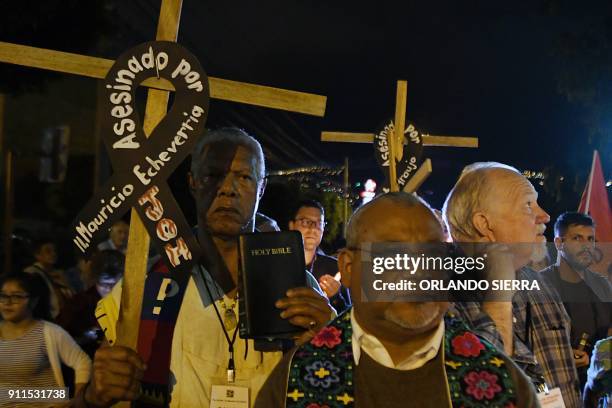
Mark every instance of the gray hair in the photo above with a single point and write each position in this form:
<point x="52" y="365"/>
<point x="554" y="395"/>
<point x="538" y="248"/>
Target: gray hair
<point x="469" y="195"/>
<point x="233" y="136"/>
<point x="406" y="199"/>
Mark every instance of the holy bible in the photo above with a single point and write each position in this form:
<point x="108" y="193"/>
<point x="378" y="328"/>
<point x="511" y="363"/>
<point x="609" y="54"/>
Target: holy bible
<point x="270" y="264"/>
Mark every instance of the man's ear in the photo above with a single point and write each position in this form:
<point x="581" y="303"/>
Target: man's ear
<point x="291" y="225"/>
<point x="262" y="188"/>
<point x="191" y="182"/>
<point x="482" y="224"/>
<point x="558" y="243"/>
<point x="345" y="265"/>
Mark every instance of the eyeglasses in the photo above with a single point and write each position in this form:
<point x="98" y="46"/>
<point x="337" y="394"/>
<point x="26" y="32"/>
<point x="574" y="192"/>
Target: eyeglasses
<point x="307" y="223"/>
<point x="4" y="298"/>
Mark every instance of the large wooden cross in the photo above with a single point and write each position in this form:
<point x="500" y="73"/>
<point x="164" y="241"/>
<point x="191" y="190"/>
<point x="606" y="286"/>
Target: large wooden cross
<point x="396" y="142"/>
<point x="156" y="107"/>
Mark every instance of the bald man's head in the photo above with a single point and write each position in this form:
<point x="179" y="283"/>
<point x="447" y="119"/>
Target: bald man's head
<point x="391" y="218"/>
<point x="389" y="214"/>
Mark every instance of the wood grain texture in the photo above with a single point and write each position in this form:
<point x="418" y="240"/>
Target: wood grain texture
<point x="137" y="254"/>
<point x="138" y="243"/>
<point x="94" y="67"/>
<point x="268" y="97"/>
<point x="428" y="140"/>
<point x="450" y="141"/>
<point x="401" y="96"/>
<point x="419" y="177"/>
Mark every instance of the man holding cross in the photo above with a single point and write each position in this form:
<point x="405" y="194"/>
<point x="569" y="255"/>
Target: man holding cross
<point x="227" y="182"/>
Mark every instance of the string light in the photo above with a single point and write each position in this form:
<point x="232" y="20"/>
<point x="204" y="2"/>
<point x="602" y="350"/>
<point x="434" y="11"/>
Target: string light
<point x="314" y="177"/>
<point x="326" y="171"/>
<point x="530" y="174"/>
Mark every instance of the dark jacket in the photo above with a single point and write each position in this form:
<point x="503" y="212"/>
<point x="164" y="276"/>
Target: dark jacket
<point x="601" y="292"/>
<point x="328" y="265"/>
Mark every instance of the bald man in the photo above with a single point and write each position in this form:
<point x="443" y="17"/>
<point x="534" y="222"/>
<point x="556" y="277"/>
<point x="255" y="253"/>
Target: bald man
<point x="378" y="354"/>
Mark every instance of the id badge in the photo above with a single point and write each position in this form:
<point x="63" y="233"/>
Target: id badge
<point x="229" y="396"/>
<point x="551" y="399"/>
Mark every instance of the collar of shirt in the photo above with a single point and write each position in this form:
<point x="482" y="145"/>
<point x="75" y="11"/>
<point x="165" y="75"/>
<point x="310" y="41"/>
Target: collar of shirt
<point x="377" y="351"/>
<point x="200" y="275"/>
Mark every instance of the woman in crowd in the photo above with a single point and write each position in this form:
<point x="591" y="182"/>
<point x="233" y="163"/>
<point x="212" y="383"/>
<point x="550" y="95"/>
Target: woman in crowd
<point x="45" y="258"/>
<point x="31" y="347"/>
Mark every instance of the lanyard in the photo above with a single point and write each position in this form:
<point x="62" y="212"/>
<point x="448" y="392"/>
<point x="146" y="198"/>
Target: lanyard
<point x="231" y="368"/>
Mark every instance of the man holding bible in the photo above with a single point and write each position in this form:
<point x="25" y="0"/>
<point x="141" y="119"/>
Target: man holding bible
<point x="394" y="354"/>
<point x="227" y="181"/>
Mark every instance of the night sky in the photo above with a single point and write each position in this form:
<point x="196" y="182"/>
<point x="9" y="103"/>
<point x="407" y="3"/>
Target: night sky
<point x="472" y="69"/>
<point x="497" y="72"/>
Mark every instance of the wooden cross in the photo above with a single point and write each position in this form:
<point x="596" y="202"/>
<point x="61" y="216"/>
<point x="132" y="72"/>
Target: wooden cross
<point x="396" y="142"/>
<point x="156" y="107"/>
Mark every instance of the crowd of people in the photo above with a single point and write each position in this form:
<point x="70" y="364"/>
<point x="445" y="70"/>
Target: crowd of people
<point x="48" y="330"/>
<point x="555" y="342"/>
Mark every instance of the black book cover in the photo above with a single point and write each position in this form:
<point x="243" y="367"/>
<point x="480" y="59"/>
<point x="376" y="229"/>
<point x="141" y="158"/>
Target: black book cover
<point x="270" y="264"/>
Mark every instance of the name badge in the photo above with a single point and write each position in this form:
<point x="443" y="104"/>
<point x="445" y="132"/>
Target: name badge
<point x="228" y="396"/>
<point x="551" y="399"/>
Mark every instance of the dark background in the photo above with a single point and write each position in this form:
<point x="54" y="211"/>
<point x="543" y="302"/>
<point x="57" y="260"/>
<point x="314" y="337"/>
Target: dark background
<point x="531" y="79"/>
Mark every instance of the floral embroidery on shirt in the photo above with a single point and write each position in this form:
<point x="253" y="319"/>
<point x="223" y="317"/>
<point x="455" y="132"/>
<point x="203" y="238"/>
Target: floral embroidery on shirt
<point x="322" y="374"/>
<point x="322" y="370"/>
<point x="329" y="337"/>
<point x="467" y="345"/>
<point x="482" y="385"/>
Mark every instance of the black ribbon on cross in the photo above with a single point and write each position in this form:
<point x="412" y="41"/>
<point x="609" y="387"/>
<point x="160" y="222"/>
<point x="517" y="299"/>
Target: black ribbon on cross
<point x="141" y="167"/>
<point x="411" y="157"/>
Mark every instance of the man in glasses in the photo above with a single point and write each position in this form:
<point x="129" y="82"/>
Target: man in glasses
<point x="584" y="293"/>
<point x="309" y="220"/>
<point x="394" y="354"/>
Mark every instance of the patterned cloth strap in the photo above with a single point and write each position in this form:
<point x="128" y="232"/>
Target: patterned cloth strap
<point x="321" y="371"/>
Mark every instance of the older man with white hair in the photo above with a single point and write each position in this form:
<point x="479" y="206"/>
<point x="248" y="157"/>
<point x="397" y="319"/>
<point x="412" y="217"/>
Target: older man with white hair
<point x="205" y="356"/>
<point x="493" y="203"/>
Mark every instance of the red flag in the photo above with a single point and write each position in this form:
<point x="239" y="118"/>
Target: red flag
<point x="595" y="201"/>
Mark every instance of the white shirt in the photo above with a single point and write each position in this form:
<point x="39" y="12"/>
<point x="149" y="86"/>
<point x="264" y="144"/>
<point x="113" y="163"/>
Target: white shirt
<point x="199" y="348"/>
<point x="38" y="269"/>
<point x="377" y="351"/>
<point x="200" y="351"/>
